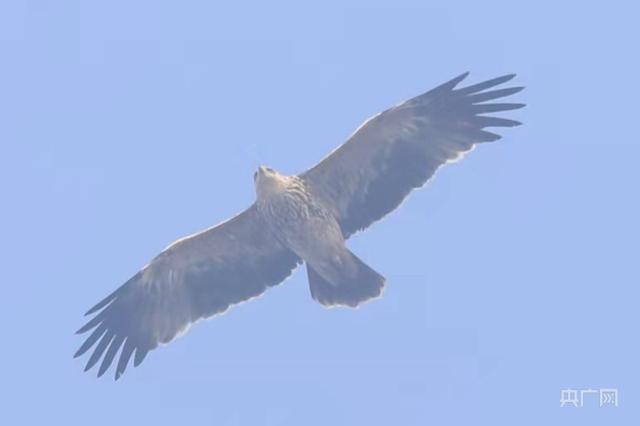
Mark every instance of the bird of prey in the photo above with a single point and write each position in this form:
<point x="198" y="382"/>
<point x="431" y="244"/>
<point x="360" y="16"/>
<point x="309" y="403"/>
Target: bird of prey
<point x="295" y="219"/>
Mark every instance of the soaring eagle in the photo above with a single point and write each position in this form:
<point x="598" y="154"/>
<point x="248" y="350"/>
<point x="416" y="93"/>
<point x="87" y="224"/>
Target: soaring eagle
<point x="295" y="219"/>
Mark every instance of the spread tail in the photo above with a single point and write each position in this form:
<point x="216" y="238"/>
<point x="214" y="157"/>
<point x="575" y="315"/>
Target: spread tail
<point x="351" y="284"/>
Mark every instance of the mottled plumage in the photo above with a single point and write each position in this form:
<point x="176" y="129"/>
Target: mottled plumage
<point x="295" y="219"/>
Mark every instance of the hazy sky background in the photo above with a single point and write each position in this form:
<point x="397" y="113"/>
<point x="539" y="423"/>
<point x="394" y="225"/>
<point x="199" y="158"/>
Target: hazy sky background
<point x="125" y="125"/>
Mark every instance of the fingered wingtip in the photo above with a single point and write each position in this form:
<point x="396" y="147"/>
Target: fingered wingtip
<point x="461" y="77"/>
<point x="484" y="85"/>
<point x="95" y="309"/>
<point x="451" y="84"/>
<point x="506" y="78"/>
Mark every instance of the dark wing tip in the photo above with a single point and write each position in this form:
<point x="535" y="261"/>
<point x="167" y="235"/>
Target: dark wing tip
<point x="493" y="94"/>
<point x="462" y="76"/>
<point x="99" y="350"/>
<point x="475" y="88"/>
<point x="90" y="324"/>
<point x="110" y="355"/>
<point x="91" y="340"/>
<point x="447" y="86"/>
<point x="485" y="136"/>
<point x="104" y="302"/>
<point x="456" y="80"/>
<point x="496" y="107"/>
<point x="517" y="89"/>
<point x="101" y="304"/>
<point x="504" y="78"/>
<point x="488" y="121"/>
<point x="141" y="354"/>
<point x="125" y="356"/>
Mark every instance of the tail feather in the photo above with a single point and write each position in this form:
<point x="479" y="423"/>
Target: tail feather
<point x="353" y="286"/>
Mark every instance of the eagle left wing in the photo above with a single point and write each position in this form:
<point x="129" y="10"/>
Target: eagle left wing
<point x="194" y="278"/>
<point x="399" y="149"/>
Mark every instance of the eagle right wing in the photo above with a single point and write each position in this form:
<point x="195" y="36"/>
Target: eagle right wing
<point x="399" y="149"/>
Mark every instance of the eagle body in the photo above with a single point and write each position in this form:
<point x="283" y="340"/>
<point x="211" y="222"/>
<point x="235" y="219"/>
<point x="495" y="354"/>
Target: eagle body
<point x="305" y="218"/>
<point x="301" y="222"/>
<point x="297" y="219"/>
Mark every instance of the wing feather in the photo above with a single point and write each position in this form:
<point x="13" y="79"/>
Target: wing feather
<point x="401" y="148"/>
<point x="194" y="278"/>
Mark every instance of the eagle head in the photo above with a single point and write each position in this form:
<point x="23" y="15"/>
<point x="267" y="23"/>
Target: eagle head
<point x="268" y="181"/>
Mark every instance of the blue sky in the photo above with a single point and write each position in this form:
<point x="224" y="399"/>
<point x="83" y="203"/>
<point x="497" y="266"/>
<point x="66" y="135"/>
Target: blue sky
<point x="512" y="276"/>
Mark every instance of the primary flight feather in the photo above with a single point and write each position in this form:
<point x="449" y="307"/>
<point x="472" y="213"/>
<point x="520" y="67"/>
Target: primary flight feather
<point x="295" y="219"/>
